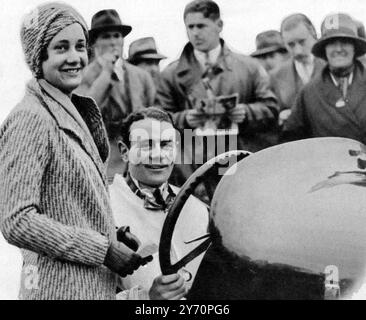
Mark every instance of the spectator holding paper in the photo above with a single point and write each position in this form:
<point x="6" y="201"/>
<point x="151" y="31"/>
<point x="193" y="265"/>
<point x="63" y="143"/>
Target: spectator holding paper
<point x="206" y="69"/>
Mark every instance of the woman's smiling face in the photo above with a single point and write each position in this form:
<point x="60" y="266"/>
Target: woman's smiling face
<point x="67" y="56"/>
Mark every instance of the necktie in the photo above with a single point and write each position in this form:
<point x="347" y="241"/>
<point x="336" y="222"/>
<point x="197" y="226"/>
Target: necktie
<point x="343" y="86"/>
<point x="208" y="68"/>
<point x="207" y="60"/>
<point x="153" y="200"/>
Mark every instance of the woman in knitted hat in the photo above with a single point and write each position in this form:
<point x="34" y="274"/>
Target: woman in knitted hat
<point x="53" y="147"/>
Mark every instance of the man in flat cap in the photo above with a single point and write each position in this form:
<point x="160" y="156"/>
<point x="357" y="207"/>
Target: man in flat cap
<point x="118" y="87"/>
<point x="271" y="51"/>
<point x="333" y="103"/>
<point x="299" y="36"/>
<point x="208" y="69"/>
<point x="144" y="54"/>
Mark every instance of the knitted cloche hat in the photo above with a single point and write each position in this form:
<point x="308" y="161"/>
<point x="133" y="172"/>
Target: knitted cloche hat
<point x="40" y="26"/>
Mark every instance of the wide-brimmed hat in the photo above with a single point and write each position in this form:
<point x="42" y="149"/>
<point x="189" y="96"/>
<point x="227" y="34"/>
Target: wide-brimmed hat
<point x="144" y="49"/>
<point x="360" y="29"/>
<point x="106" y="20"/>
<point x="267" y="42"/>
<point x="337" y="26"/>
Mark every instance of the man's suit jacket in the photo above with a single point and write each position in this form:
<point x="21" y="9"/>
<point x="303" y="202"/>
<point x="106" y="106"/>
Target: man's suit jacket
<point x="117" y="99"/>
<point x="286" y="83"/>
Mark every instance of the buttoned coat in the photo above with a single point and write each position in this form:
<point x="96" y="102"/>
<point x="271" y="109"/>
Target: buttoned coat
<point x="234" y="73"/>
<point x="54" y="201"/>
<point x="180" y="84"/>
<point x="315" y="113"/>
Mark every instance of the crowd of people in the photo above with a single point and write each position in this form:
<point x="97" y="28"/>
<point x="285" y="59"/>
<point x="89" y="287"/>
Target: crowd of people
<point x="85" y="195"/>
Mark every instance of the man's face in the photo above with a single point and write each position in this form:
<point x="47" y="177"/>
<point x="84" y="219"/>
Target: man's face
<point x="109" y="41"/>
<point x="152" y="67"/>
<point x="203" y="33"/>
<point x="340" y="53"/>
<point x="152" y="152"/>
<point x="299" y="42"/>
<point x="272" y="60"/>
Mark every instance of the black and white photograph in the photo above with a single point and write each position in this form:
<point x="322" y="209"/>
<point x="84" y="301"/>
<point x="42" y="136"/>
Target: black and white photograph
<point x="190" y="150"/>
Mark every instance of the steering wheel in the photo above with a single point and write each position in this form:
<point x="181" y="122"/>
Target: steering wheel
<point x="210" y="167"/>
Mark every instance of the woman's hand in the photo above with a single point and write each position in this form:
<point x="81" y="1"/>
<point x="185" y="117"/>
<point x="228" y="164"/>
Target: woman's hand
<point x="122" y="260"/>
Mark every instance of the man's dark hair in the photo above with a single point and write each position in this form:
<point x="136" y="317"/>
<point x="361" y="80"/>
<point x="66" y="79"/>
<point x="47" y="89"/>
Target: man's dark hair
<point x="293" y="20"/>
<point x="147" y="113"/>
<point x="208" y="8"/>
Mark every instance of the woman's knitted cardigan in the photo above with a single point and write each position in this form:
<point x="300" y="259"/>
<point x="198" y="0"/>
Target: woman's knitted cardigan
<point x="54" y="200"/>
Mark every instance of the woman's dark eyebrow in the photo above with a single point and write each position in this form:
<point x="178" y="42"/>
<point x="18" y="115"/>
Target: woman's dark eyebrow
<point x="63" y="41"/>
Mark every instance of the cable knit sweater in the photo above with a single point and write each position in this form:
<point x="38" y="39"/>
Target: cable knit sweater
<point x="54" y="202"/>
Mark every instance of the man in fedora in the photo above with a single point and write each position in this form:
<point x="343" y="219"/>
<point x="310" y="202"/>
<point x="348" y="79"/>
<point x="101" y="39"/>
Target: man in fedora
<point x="118" y="87"/>
<point x="144" y="54"/>
<point x="271" y="51"/>
<point x="299" y="36"/>
<point x="333" y="103"/>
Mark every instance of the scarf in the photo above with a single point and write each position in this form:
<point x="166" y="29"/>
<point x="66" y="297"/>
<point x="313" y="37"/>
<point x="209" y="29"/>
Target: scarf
<point x="154" y="200"/>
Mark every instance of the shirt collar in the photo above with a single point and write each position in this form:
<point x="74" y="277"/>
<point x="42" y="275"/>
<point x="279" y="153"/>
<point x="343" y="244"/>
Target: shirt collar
<point x="118" y="69"/>
<point x="336" y="82"/>
<point x="212" y="55"/>
<point x="305" y="70"/>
